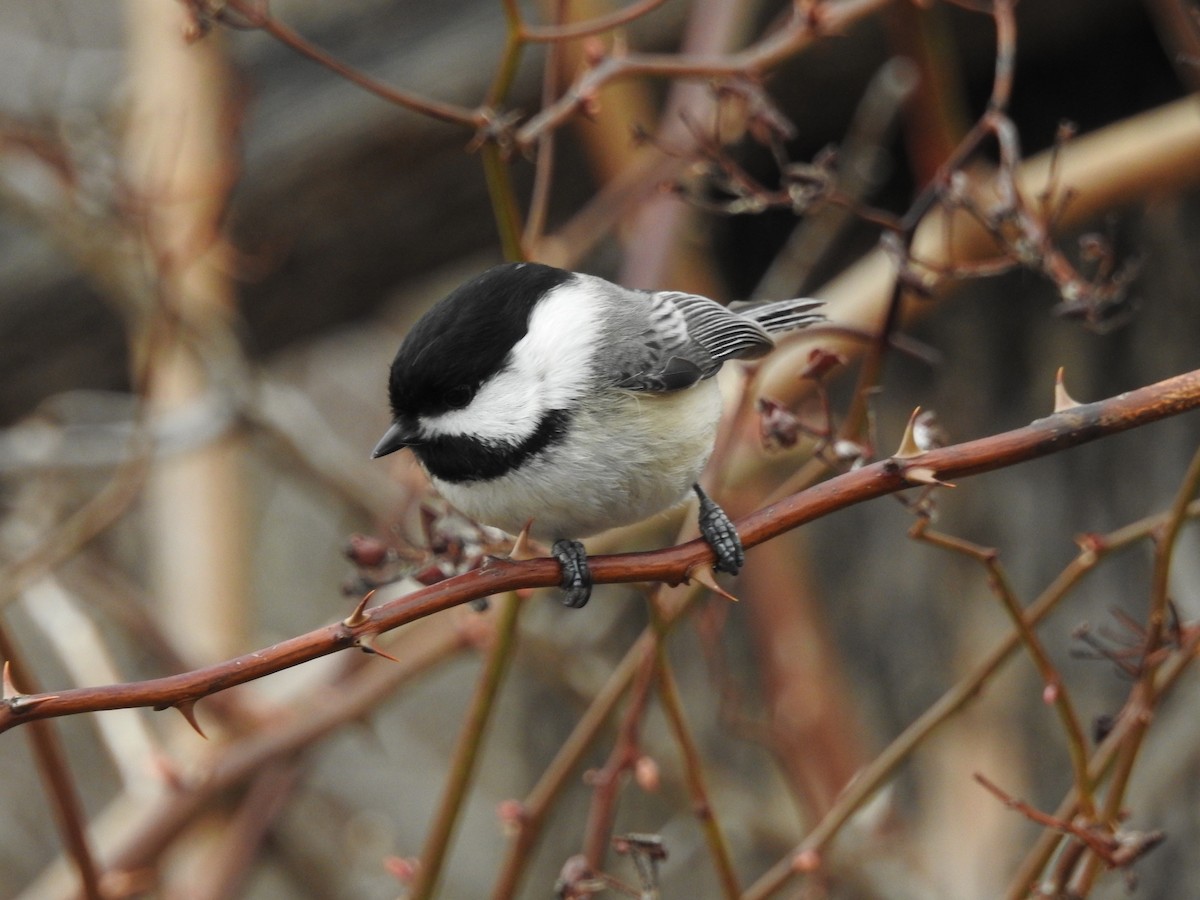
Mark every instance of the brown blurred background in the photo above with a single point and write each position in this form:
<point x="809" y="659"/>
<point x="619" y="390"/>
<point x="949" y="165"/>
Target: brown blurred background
<point x="248" y="337"/>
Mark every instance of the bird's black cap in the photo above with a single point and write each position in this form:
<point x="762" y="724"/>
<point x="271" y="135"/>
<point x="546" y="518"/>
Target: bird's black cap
<point x="465" y="338"/>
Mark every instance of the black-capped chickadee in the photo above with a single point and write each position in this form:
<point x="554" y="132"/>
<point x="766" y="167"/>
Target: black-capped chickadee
<point x="533" y="393"/>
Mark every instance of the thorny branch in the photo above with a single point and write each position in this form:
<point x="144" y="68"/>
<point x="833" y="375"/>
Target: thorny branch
<point x="1052" y="434"/>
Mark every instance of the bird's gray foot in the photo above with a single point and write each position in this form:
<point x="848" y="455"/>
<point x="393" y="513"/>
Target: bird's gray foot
<point x="718" y="532"/>
<point x="576" y="577"/>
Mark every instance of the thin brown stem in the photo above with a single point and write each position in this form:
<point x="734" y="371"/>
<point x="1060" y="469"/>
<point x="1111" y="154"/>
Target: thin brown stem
<point x="254" y="14"/>
<point x="607" y="781"/>
<point x="1056" y="689"/>
<point x="559" y="32"/>
<point x="1140" y="707"/>
<point x="312" y="718"/>
<point x="537" y="804"/>
<point x="760" y="57"/>
<point x="877" y="773"/>
<point x="543" y="167"/>
<point x="549" y="786"/>
<point x="55" y="771"/>
<point x="1102" y="761"/>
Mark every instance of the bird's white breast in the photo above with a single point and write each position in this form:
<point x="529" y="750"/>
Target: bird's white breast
<point x="626" y="456"/>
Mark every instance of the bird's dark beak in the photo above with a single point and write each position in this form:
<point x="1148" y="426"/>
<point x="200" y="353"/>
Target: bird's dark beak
<point x="396" y="438"/>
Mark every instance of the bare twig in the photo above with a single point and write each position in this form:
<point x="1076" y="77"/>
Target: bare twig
<point x="754" y="60"/>
<point x="534" y="808"/>
<point x="559" y="32"/>
<point x="254" y="14"/>
<point x="1116" y="850"/>
<point x="1095" y="548"/>
<point x="1139" y="708"/>
<point x="543" y="170"/>
<point x="1102" y="761"/>
<point x="1055" y="689"/>
<point x="51" y="759"/>
<point x="532" y="812"/>
<point x="311" y="718"/>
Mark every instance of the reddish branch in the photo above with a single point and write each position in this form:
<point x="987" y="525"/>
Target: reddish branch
<point x="1118" y="850"/>
<point x="808" y="22"/>
<point x="615" y="19"/>
<point x="1051" y="434"/>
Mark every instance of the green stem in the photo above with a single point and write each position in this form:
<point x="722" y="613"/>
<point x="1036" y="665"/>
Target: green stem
<point x="510" y="59"/>
<point x="495" y="169"/>
<point x="693" y="771"/>
<point x="466" y="752"/>
<point x="543" y="795"/>
<point x="504" y="201"/>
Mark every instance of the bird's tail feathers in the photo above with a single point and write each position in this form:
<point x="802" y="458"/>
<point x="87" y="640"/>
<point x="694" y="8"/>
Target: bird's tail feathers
<point x="784" y="315"/>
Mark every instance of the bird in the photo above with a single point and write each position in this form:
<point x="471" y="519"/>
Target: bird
<point x="559" y="403"/>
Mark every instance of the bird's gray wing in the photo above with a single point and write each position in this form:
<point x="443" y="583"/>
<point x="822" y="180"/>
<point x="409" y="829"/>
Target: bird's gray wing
<point x="685" y="338"/>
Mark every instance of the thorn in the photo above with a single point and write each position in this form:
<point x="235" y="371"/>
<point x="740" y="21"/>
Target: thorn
<point x="908" y="444"/>
<point x="704" y="575"/>
<point x="357" y="617"/>
<point x="924" y="475"/>
<point x="520" y="547"/>
<point x="187" y="708"/>
<point x="366" y="643"/>
<point x="24" y="702"/>
<point x="10" y="691"/>
<point x="1062" y="400"/>
<point x="18" y="702"/>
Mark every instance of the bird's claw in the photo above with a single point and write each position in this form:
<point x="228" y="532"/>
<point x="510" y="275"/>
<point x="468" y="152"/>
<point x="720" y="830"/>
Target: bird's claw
<point x="718" y="532"/>
<point x="576" y="576"/>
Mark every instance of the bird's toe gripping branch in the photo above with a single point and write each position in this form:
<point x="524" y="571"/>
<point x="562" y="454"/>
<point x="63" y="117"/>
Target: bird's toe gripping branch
<point x="718" y="532"/>
<point x="576" y="576"/>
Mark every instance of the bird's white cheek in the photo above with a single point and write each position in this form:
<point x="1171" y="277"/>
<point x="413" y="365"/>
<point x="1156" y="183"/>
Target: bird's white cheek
<point x="506" y="409"/>
<point x="550" y="368"/>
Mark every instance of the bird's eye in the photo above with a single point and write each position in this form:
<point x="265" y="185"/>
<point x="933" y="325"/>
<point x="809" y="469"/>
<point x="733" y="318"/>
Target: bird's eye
<point x="458" y="397"/>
